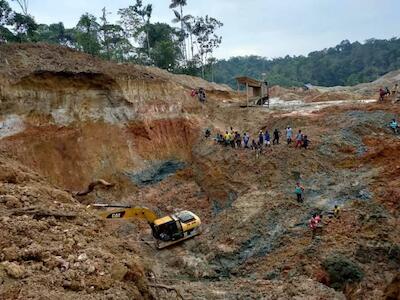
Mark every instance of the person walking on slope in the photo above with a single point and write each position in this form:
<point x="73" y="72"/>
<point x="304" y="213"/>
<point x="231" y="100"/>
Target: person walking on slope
<point x="253" y="145"/>
<point x="306" y="142"/>
<point x="394" y="126"/>
<point x="246" y="139"/>
<point x="299" y="139"/>
<point x="232" y="138"/>
<point x="238" y="140"/>
<point x="258" y="150"/>
<point x="207" y="134"/>
<point x="261" y="138"/>
<point x="219" y="139"/>
<point x="382" y="94"/>
<point x="314" y="224"/>
<point x="202" y="95"/>
<point x="267" y="139"/>
<point x="276" y="137"/>
<point x="299" y="190"/>
<point x="289" y="135"/>
<point x="336" y="212"/>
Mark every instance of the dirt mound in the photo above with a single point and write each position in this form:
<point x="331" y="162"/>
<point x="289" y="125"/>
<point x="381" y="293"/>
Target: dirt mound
<point x="20" y="60"/>
<point x="367" y="90"/>
<point x="372" y="89"/>
<point x="317" y="94"/>
<point x="52" y="246"/>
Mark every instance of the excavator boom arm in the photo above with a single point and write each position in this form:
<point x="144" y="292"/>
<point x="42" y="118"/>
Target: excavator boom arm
<point x="130" y="213"/>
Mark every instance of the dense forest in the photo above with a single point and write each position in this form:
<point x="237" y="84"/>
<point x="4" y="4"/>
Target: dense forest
<point x="345" y="64"/>
<point x="188" y="47"/>
<point x="185" y="48"/>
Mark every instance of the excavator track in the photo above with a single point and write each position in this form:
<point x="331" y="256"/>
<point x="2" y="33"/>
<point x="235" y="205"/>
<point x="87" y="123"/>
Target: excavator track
<point x="162" y="245"/>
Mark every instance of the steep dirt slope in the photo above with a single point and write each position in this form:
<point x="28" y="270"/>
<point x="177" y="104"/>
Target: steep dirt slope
<point x="367" y="90"/>
<point x="257" y="230"/>
<point x="358" y="92"/>
<point x="52" y="247"/>
<point x="20" y="60"/>
<point x="316" y="94"/>
<point x="57" y="105"/>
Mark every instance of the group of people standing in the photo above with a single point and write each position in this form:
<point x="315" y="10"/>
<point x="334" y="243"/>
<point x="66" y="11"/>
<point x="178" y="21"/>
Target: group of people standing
<point x="383" y="92"/>
<point x="236" y="140"/>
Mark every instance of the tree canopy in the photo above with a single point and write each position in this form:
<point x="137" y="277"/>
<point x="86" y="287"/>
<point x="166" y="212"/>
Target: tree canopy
<point x="189" y="47"/>
<point x="133" y="38"/>
<point x="345" y="64"/>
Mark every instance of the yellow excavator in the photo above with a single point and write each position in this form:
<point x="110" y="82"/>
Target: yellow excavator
<point x="167" y="230"/>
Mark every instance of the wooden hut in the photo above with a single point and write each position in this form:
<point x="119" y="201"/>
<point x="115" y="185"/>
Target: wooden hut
<point x="256" y="91"/>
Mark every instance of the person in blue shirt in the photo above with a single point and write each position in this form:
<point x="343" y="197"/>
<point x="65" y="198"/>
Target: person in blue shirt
<point x="299" y="190"/>
<point x="267" y="139"/>
<point x="394" y="126"/>
<point x="246" y="139"/>
<point x="238" y="140"/>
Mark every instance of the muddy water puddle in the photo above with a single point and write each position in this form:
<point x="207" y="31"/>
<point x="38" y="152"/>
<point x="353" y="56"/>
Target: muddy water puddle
<point x="302" y="107"/>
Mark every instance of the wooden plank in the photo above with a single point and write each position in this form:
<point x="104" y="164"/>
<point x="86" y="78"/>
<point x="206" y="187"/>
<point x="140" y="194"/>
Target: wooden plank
<point x="247" y="93"/>
<point x="250" y="81"/>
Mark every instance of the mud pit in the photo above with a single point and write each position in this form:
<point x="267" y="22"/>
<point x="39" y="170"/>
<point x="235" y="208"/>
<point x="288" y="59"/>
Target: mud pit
<point x="302" y="107"/>
<point x="147" y="140"/>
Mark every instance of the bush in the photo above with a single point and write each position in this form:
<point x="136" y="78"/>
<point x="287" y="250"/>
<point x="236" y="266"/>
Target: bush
<point x="341" y="270"/>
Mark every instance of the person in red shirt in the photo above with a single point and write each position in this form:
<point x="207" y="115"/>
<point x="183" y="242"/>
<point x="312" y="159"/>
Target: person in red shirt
<point x="313" y="223"/>
<point x="299" y="139"/>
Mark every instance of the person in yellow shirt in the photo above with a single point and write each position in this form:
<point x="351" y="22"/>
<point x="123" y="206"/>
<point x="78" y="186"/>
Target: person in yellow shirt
<point x="227" y="138"/>
<point x="336" y="212"/>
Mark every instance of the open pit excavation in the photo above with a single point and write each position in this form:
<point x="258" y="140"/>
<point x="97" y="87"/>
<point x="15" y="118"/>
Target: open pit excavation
<point x="77" y="131"/>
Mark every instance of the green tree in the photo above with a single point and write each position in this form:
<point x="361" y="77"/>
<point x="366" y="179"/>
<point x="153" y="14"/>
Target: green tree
<point x="344" y="64"/>
<point x="179" y="17"/>
<point x="164" y="41"/>
<point x="87" y="34"/>
<point x="114" y="40"/>
<point x="207" y="40"/>
<point x="5" y="20"/>
<point x="16" y="27"/>
<point x="24" y="27"/>
<point x="210" y="66"/>
<point x="55" y="34"/>
<point x="190" y="22"/>
<point x="135" y="20"/>
<point x="105" y="31"/>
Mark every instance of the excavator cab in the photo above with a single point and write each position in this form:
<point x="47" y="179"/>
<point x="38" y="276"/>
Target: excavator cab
<point x="175" y="228"/>
<point x="167" y="229"/>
